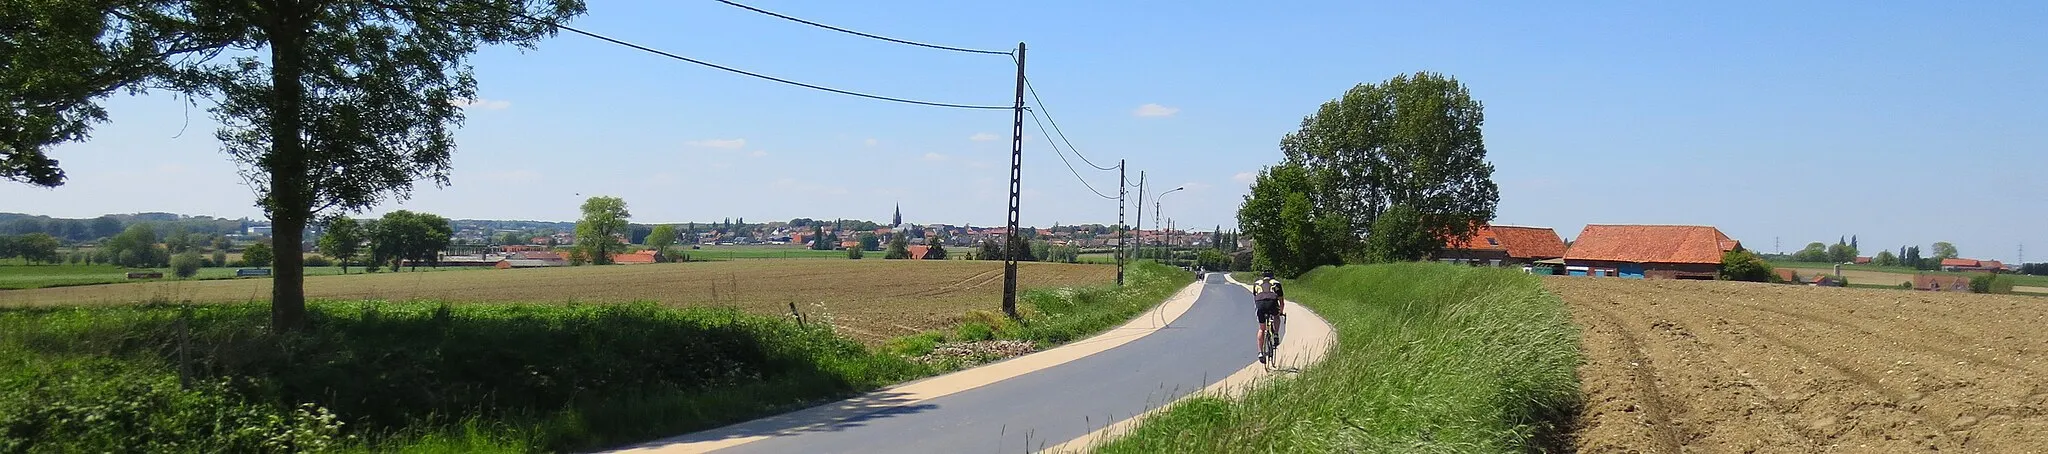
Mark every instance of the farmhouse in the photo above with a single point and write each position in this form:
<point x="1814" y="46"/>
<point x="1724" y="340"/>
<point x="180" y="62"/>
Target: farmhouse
<point x="527" y="263"/>
<point x="1941" y="282"/>
<point x="1960" y="264"/>
<point x="1648" y="251"/>
<point x="1498" y="245"/>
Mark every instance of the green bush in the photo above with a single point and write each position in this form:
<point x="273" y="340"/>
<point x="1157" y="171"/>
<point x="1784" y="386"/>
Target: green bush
<point x="1429" y="358"/>
<point x="1991" y="283"/>
<point x="318" y="260"/>
<point x="1741" y="265"/>
<point x="185" y="265"/>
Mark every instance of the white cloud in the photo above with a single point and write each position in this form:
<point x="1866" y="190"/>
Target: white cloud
<point x="1155" y="110"/>
<point x="758" y="153"/>
<point x="480" y="103"/>
<point x="725" y="144"/>
<point x="1245" y="177"/>
<point x="934" y="157"/>
<point x="871" y="142"/>
<point x="982" y="137"/>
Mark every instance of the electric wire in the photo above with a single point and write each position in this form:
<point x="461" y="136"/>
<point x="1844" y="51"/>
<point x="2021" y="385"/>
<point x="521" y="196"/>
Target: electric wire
<point x="744" y="72"/>
<point x="1056" y="126"/>
<point x="880" y="37"/>
<point x="1070" y="164"/>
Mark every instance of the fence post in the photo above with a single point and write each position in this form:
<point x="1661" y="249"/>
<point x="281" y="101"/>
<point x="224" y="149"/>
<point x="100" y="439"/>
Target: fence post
<point x="798" y="315"/>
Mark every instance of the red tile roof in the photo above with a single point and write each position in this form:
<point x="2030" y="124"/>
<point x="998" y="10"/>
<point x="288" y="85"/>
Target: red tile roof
<point x="1530" y="242"/>
<point x="1482" y="240"/>
<point x="634" y="258"/>
<point x="1959" y="262"/>
<point x="917" y="251"/>
<point x="1651" y="244"/>
<point x="1519" y="242"/>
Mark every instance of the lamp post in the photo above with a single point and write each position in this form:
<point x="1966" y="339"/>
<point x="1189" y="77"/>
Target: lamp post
<point x="1155" y="219"/>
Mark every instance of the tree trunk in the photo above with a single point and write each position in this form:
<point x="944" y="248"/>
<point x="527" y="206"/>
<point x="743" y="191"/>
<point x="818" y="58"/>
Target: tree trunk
<point x="290" y="193"/>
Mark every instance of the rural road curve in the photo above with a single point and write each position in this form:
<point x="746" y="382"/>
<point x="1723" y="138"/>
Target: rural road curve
<point x="1059" y="401"/>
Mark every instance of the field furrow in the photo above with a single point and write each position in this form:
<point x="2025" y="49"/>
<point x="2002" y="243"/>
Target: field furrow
<point x="1738" y="367"/>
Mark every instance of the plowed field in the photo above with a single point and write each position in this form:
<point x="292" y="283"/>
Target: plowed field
<point x="1677" y="366"/>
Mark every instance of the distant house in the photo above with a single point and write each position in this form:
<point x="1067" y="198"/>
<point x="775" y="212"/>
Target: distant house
<point x="1498" y="245"/>
<point x="636" y="258"/>
<point x="1787" y="275"/>
<point x="1960" y="264"/>
<point x="1827" y="281"/>
<point x="1648" y="251"/>
<point x="1941" y="282"/>
<point x="917" y="251"/>
<point x="1861" y="261"/>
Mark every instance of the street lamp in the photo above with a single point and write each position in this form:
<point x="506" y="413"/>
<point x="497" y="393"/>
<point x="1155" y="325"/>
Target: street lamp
<point x="1155" y="218"/>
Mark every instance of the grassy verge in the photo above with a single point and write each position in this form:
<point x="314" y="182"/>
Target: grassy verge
<point x="430" y="377"/>
<point x="1429" y="358"/>
<point x="1056" y="316"/>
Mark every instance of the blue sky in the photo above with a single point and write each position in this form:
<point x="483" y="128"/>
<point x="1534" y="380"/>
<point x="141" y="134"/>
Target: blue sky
<point x="1901" y="122"/>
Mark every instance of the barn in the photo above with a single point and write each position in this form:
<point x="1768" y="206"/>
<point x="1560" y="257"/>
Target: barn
<point x="1648" y="251"/>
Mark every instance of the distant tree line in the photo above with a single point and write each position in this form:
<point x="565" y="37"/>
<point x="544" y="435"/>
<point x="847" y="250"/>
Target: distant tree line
<point x="87" y="230"/>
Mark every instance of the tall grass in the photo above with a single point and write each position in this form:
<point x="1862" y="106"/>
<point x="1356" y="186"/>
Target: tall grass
<point x="1429" y="358"/>
<point x="432" y="377"/>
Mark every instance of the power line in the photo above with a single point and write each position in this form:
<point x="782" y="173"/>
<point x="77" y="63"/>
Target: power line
<point x="773" y="78"/>
<point x="1056" y="127"/>
<point x="1070" y="164"/>
<point x="880" y="37"/>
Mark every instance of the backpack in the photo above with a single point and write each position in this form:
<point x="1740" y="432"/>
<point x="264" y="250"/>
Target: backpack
<point x="1266" y="289"/>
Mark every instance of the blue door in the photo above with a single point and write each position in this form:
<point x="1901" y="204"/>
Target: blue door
<point x="1631" y="271"/>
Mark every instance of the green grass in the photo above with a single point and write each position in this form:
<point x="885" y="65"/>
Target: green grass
<point x="15" y="277"/>
<point x="430" y="377"/>
<point x="1429" y="358"/>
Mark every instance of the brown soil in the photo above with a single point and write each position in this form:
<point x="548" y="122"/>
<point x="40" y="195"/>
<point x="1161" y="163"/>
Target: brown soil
<point x="1681" y="366"/>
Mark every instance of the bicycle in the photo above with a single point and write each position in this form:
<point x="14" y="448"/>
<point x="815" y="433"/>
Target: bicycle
<point x="1272" y="345"/>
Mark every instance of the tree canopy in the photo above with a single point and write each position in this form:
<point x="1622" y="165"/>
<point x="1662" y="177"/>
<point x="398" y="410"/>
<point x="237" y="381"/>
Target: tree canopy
<point x="406" y="235"/>
<point x="661" y="238"/>
<point x="1412" y="142"/>
<point x="343" y="240"/>
<point x="1944" y="250"/>
<point x="602" y="217"/>
<point x="326" y="105"/>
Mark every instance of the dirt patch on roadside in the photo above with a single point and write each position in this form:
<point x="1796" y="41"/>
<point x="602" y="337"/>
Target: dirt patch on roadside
<point x="1679" y="366"/>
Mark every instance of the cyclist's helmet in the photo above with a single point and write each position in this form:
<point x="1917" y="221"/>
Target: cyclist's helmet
<point x="1266" y="273"/>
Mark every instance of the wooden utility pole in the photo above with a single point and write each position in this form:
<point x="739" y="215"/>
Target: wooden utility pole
<point x="1016" y="189"/>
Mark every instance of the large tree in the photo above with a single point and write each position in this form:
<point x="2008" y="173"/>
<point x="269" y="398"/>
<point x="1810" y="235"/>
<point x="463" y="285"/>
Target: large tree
<point x="1287" y="229"/>
<point x="343" y="241"/>
<point x="1944" y="250"/>
<point x="326" y="104"/>
<point x="602" y="217"/>
<point x="409" y="236"/>
<point x="661" y="238"/>
<point x="1412" y="141"/>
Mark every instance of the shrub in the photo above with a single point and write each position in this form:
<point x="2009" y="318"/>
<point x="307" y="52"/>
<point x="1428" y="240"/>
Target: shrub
<point x="185" y="264"/>
<point x="220" y="258"/>
<point x="1990" y="283"/>
<point x="853" y="253"/>
<point x="1906" y="285"/>
<point x="318" y="260"/>
<point x="1741" y="265"/>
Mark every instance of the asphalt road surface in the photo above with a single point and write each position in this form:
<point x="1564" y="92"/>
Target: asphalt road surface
<point x="1044" y="408"/>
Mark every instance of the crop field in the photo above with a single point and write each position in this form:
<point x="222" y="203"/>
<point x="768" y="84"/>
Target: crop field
<point x="1682" y="366"/>
<point x="716" y="252"/>
<point x="870" y="300"/>
<point x="38" y="276"/>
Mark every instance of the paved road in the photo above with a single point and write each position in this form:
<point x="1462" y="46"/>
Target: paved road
<point x="1046" y="407"/>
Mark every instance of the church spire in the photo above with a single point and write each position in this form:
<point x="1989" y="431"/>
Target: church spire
<point x="897" y="221"/>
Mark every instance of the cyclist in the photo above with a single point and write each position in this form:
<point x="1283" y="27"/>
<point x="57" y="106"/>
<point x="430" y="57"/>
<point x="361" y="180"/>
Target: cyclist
<point x="1266" y="292"/>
